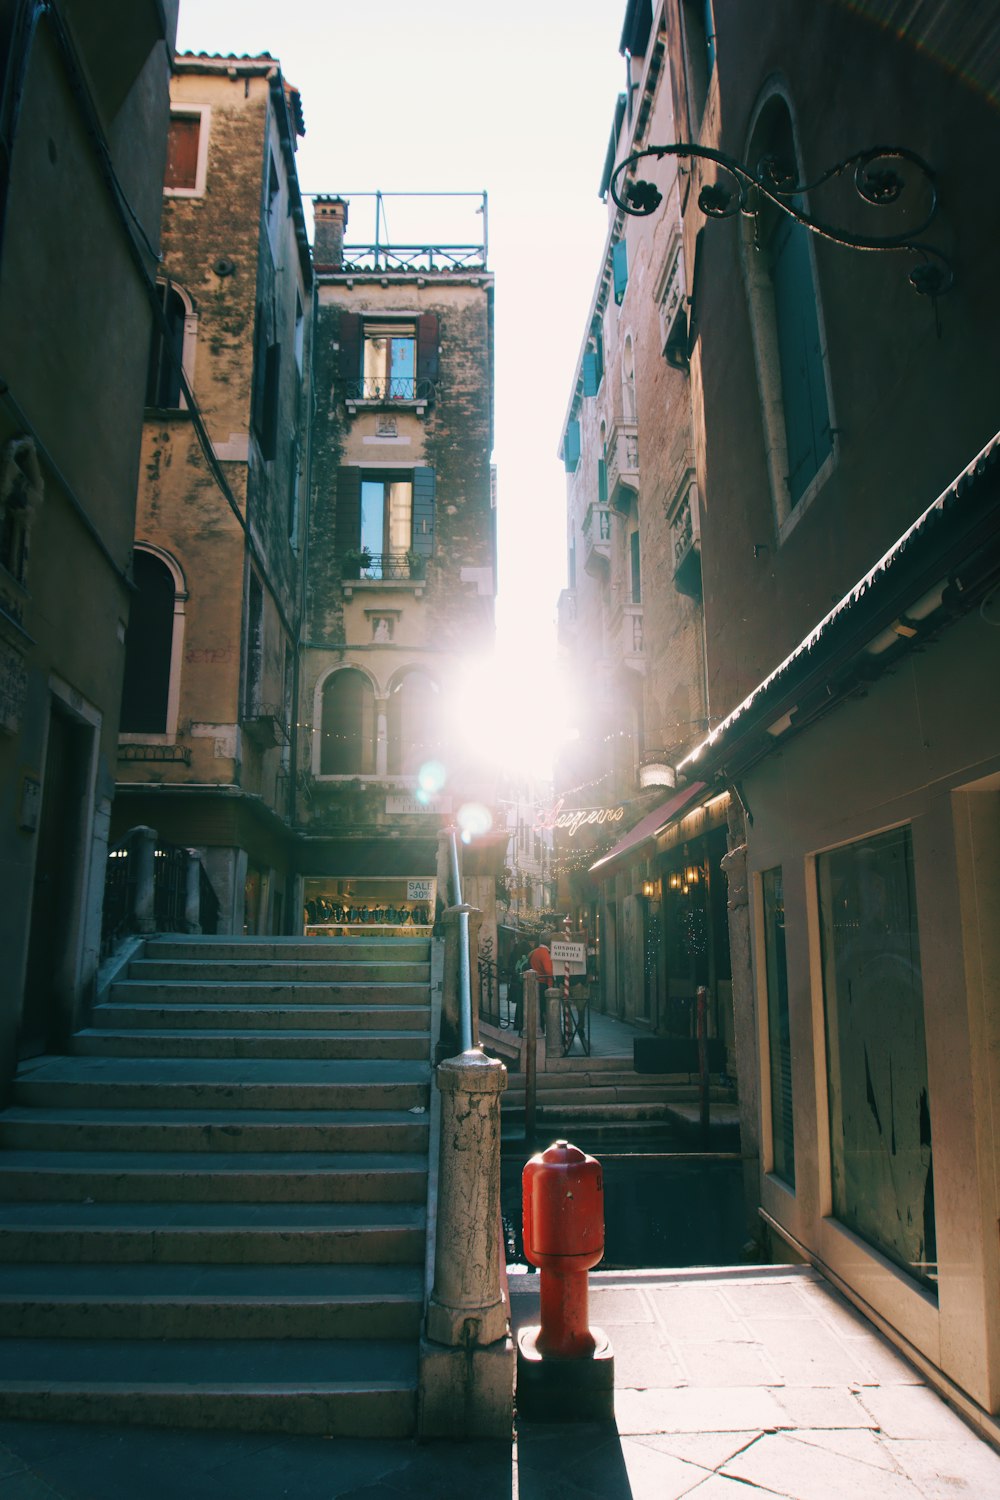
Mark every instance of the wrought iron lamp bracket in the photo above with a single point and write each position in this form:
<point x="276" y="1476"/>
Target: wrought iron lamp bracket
<point x="876" y="181"/>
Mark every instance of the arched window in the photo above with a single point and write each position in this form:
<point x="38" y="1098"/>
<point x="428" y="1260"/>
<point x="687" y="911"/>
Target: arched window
<point x="787" y="325"/>
<point x="628" y="380"/>
<point x="149" y="648"/>
<point x="347" y="726"/>
<point x="414" y="724"/>
<point x="171" y="349"/>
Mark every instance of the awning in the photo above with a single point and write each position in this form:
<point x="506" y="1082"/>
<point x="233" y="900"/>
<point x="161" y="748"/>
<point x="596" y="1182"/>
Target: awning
<point x="648" y="827"/>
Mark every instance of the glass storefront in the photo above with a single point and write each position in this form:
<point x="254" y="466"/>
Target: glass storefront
<point x="377" y="905"/>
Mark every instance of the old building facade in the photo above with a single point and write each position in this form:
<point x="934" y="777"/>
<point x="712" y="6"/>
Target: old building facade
<point x="205" y="754"/>
<point x="401" y="573"/>
<point x="844" y="422"/>
<point x="644" y="882"/>
<point x="85" y="100"/>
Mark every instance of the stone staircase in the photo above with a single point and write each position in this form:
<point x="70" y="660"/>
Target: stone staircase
<point x="212" y="1214"/>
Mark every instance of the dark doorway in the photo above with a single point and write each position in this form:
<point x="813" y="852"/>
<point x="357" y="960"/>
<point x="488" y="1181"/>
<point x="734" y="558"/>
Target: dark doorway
<point x="59" y="863"/>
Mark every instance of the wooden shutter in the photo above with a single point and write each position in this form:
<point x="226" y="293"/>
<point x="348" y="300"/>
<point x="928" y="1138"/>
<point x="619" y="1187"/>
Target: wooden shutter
<point x="619" y="269"/>
<point x="571" y="446"/>
<point x="182" y="151"/>
<point x="590" y="377"/>
<point x="350" y="351"/>
<point x="602" y="481"/>
<point x="347" y="524"/>
<point x="803" y="388"/>
<point x="423" y="511"/>
<point x="269" y="404"/>
<point x="427" y="348"/>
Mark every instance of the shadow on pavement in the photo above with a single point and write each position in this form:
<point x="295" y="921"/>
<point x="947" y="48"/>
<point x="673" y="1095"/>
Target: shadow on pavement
<point x="570" y="1460"/>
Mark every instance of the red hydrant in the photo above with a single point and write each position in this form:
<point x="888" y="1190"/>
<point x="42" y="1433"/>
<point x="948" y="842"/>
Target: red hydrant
<point x="563" y="1203"/>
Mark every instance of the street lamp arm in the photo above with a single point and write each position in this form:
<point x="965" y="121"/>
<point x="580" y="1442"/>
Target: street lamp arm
<point x="876" y="181"/>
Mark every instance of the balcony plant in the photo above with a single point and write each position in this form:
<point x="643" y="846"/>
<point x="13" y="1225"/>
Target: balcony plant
<point x="355" y="561"/>
<point x="416" y="562"/>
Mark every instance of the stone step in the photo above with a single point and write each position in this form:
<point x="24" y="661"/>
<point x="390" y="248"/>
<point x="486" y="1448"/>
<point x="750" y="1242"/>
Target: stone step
<point x="552" y="1114"/>
<point x="103" y="1041"/>
<point x="220" y="1083"/>
<point x="213" y="1177"/>
<point x="164" y="1301"/>
<point x="261" y="1016"/>
<point x="343" y="971"/>
<point x="557" y="1098"/>
<point x="288" y="950"/>
<point x="240" y="1233"/>
<point x="348" y="1388"/>
<point x="233" y="1129"/>
<point x="622" y="1077"/>
<point x="360" y="991"/>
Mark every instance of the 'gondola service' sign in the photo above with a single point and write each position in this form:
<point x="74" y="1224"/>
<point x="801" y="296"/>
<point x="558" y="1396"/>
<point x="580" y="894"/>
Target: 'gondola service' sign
<point x="572" y="819"/>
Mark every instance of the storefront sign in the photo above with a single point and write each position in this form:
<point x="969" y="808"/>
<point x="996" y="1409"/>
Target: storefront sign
<point x="574" y="818"/>
<point x="414" y="805"/>
<point x="420" y="890"/>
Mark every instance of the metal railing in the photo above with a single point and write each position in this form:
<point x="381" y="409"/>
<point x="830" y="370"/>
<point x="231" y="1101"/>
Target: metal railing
<point x="465" y="1024"/>
<point x="170" y="908"/>
<point x="389" y="388"/>
<point x="400" y="566"/>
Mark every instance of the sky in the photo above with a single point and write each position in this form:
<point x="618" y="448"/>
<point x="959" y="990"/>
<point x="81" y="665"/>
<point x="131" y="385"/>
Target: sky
<point x="516" y="99"/>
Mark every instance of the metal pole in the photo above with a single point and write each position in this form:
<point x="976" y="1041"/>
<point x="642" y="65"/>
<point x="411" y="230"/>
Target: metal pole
<point x="701" y="997"/>
<point x="530" y="983"/>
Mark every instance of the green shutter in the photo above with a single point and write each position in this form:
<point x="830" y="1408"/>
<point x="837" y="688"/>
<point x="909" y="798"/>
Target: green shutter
<point x="803" y="387"/>
<point x="602" y="481"/>
<point x="349" y="334"/>
<point x="591" y="380"/>
<point x="347" y="524"/>
<point x="571" y="446"/>
<point x="619" y="269"/>
<point x="423" y="511"/>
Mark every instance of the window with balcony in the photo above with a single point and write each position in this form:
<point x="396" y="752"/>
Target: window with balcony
<point x="385" y="522"/>
<point x="387" y="361"/>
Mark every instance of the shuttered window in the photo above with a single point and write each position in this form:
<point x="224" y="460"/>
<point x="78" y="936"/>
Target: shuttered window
<point x="803" y="386"/>
<point x="571" y="446"/>
<point x="351" y="531"/>
<point x="183" y="138"/>
<point x="619" y="270"/>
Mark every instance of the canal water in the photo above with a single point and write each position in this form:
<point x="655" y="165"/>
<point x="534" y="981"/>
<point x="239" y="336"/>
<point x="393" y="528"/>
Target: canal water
<point x="665" y="1209"/>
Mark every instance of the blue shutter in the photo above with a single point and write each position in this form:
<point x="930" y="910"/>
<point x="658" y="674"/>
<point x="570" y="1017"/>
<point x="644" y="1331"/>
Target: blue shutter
<point x="803" y="387"/>
<point x="591" y="379"/>
<point x="571" y="446"/>
<point x="423" y="511"/>
<point x="602" y="481"/>
<point x="619" y="269"/>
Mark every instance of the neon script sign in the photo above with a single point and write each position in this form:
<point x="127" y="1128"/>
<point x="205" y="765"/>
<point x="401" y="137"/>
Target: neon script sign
<point x="572" y="819"/>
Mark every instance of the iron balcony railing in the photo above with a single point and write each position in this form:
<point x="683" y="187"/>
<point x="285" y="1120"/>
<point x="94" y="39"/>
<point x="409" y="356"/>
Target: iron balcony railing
<point x="414" y="258"/>
<point x="399" y="566"/>
<point x="390" y="389"/>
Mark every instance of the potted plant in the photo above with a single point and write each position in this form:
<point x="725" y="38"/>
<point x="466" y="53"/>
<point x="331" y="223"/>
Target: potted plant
<point x="417" y="564"/>
<point x="355" y="561"/>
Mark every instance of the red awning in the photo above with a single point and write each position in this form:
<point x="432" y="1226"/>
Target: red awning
<point x="649" y="826"/>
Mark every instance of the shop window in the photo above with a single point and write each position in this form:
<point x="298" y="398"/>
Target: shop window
<point x="148" y="648"/>
<point x="414" y="724"/>
<point x="880" y="1126"/>
<point x="384" y="360"/>
<point x="347" y="725"/>
<point x="779" y="1048"/>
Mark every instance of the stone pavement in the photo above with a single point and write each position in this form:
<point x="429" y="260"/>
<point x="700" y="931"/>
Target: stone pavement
<point x="730" y="1383"/>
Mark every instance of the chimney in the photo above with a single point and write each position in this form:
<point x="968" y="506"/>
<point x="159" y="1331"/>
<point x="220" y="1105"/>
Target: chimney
<point x="330" y="216"/>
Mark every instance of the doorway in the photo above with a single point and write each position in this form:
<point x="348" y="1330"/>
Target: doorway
<point x="60" y="863"/>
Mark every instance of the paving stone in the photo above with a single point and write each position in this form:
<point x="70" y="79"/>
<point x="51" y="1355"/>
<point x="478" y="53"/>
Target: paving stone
<point x="945" y="1468"/>
<point x="718" y="1487"/>
<point x="806" y="1406"/>
<point x="858" y="1443"/>
<point x="914" y="1412"/>
<point x="706" y="1450"/>
<point x="772" y="1299"/>
<point x="807" y="1353"/>
<point x="697" y="1312"/>
<point x="726" y="1364"/>
<point x="719" y="1409"/>
<point x="779" y="1462"/>
<point x="610" y="1307"/>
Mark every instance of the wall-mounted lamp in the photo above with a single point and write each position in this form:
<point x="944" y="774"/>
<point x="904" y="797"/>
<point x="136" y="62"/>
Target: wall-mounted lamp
<point x="649" y="888"/>
<point x="877" y="183"/>
<point x="692" y="874"/>
<point x="676" y="880"/>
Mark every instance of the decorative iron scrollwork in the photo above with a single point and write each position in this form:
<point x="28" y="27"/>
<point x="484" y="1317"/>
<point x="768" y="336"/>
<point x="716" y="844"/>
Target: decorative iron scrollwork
<point x="877" y="179"/>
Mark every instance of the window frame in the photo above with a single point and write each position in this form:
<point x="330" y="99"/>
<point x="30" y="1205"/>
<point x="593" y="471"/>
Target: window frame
<point x="204" y="115"/>
<point x="168" y="735"/>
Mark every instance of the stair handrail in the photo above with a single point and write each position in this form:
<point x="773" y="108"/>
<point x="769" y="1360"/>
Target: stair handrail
<point x="466" y="1032"/>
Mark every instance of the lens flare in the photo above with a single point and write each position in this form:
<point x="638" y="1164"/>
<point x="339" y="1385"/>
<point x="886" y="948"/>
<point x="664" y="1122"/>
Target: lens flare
<point x="474" y="820"/>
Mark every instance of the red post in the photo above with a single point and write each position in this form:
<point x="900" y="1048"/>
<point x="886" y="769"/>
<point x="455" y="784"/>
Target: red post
<point x="563" y="1203"/>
